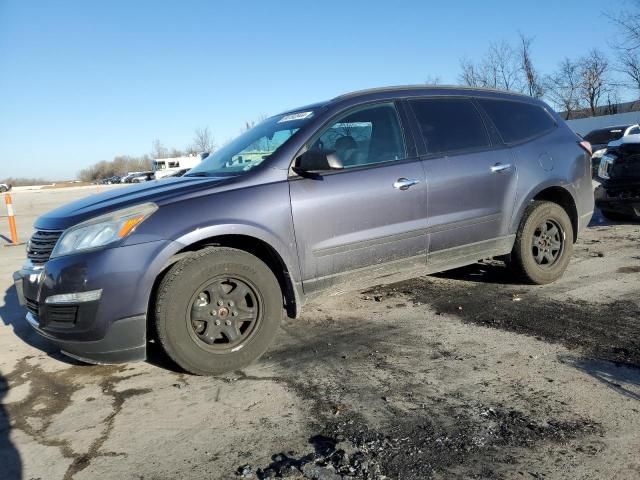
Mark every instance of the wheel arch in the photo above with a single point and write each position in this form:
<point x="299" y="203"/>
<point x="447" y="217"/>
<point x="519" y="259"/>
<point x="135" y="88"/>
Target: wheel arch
<point x="558" y="194"/>
<point x="249" y="242"/>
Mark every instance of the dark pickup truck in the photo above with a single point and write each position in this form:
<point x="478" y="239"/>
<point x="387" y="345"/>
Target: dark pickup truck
<point x="618" y="196"/>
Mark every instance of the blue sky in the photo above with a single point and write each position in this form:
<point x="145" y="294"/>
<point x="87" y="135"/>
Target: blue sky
<point x="83" y="81"/>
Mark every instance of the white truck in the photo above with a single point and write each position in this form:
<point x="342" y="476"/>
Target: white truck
<point x="164" y="167"/>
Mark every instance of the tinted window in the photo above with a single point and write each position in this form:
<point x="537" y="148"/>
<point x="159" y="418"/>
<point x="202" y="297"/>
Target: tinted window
<point x="517" y="121"/>
<point x="449" y="125"/>
<point x="369" y="135"/>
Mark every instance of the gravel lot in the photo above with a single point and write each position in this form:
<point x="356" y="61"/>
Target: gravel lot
<point x="459" y="375"/>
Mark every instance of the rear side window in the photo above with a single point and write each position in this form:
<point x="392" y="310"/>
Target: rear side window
<point x="518" y="121"/>
<point x="449" y="125"/>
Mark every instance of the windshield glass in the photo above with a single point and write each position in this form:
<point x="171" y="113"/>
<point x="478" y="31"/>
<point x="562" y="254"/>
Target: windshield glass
<point x="252" y="147"/>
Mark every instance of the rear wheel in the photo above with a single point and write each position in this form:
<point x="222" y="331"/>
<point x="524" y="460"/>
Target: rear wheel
<point x="544" y="243"/>
<point x="218" y="310"/>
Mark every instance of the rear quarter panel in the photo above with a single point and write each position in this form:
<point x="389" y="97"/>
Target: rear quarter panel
<point x="553" y="160"/>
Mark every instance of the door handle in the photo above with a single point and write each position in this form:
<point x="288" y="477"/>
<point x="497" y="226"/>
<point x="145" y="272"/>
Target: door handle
<point x="499" y="167"/>
<point x="405" y="183"/>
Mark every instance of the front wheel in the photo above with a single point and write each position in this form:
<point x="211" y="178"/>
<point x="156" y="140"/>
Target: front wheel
<point x="544" y="243"/>
<point x="218" y="310"/>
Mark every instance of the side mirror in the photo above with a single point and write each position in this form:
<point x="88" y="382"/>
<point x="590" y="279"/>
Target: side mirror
<point x="318" y="160"/>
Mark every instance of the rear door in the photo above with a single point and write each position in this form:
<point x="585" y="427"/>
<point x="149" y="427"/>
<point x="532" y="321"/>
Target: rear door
<point x="471" y="182"/>
<point x="373" y="212"/>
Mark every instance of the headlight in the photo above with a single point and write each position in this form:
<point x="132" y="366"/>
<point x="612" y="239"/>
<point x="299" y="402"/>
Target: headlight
<point x="599" y="153"/>
<point x="605" y="163"/>
<point x="103" y="230"/>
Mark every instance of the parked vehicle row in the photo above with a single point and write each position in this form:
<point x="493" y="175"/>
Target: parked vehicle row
<point x="162" y="168"/>
<point x="366" y="188"/>
<point x="131" y="177"/>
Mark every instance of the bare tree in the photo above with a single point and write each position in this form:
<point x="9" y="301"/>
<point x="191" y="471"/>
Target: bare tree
<point x="629" y="24"/>
<point x="563" y="87"/>
<point x="158" y="150"/>
<point x="203" y="140"/>
<point x="629" y="65"/>
<point x="594" y="79"/>
<point x="470" y="74"/>
<point x="249" y="124"/>
<point x="534" y="87"/>
<point x="502" y="67"/>
<point x="498" y="68"/>
<point x="627" y="45"/>
<point x="433" y="80"/>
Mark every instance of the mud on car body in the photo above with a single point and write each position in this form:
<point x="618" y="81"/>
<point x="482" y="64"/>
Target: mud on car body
<point x="368" y="187"/>
<point x="618" y="195"/>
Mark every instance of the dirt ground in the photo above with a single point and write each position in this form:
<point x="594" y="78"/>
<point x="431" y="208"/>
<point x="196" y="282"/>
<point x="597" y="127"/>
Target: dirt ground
<point x="464" y="374"/>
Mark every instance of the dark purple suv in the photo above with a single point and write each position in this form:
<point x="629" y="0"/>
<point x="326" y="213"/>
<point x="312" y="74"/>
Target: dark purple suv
<point x="366" y="188"/>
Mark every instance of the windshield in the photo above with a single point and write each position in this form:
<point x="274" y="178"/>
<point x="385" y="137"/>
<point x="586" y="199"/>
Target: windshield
<point x="605" y="135"/>
<point x="252" y="147"/>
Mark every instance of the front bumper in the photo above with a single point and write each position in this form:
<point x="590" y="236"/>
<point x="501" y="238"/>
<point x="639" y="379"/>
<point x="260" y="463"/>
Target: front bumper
<point x="111" y="329"/>
<point x="619" y="199"/>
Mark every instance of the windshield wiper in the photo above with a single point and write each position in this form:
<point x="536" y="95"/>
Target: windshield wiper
<point x="197" y="174"/>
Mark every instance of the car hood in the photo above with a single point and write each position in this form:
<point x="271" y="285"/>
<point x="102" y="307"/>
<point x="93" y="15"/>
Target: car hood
<point x="627" y="139"/>
<point x="157" y="191"/>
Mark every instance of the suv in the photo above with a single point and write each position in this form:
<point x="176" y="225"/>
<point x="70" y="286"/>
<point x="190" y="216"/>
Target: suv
<point x="370" y="187"/>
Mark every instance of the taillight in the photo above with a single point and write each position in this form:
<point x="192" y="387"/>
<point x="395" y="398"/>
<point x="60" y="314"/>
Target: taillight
<point x="586" y="146"/>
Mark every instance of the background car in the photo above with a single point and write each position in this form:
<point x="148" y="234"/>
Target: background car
<point x="4" y="187"/>
<point x="618" y="195"/>
<point x="600" y="138"/>
<point x="127" y="178"/>
<point x="110" y="180"/>
<point x="142" y="177"/>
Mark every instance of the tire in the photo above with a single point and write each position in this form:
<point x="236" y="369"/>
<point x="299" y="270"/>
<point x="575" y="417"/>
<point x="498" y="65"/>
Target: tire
<point x="247" y="301"/>
<point x="616" y="216"/>
<point x="536" y="256"/>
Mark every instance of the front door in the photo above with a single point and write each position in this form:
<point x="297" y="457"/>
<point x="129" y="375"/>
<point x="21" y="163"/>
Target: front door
<point x="373" y="212"/>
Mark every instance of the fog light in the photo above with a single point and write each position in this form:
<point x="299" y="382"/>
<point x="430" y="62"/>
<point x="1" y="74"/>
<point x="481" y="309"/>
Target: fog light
<point x="79" y="297"/>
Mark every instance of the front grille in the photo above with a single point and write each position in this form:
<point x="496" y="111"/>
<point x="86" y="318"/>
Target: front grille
<point x="41" y="245"/>
<point x="32" y="306"/>
<point x="62" y="313"/>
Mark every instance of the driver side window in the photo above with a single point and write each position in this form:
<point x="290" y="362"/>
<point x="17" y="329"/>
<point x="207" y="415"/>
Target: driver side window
<point x="367" y="136"/>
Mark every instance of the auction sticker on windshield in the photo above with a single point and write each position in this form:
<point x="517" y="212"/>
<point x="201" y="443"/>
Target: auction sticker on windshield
<point x="295" y="116"/>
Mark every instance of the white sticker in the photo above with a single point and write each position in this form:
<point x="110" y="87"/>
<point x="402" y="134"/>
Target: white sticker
<point x="295" y="116"/>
